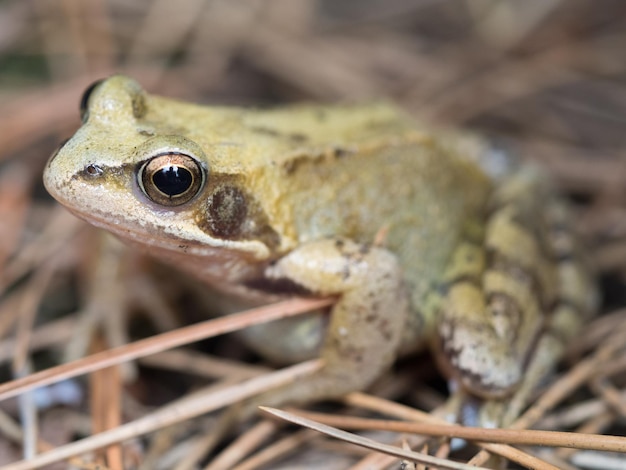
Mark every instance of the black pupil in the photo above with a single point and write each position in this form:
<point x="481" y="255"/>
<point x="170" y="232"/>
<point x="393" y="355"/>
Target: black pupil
<point x="172" y="180"/>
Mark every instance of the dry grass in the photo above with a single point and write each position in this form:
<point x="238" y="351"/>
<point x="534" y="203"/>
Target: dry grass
<point x="547" y="77"/>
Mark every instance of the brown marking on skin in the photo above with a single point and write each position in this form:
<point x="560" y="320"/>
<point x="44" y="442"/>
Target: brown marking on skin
<point x="294" y="163"/>
<point x="265" y="131"/>
<point x="504" y="305"/>
<point x="340" y="152"/>
<point x="139" y="105"/>
<point x="278" y="286"/>
<point x="472" y="239"/>
<point x="473" y="280"/>
<point x="230" y="213"/>
<point x="305" y="157"/>
<point x="352" y="256"/>
<point x="372" y="317"/>
<point x="384" y="329"/>
<point x="529" y="221"/>
<point x="499" y="262"/>
<point x="355" y="353"/>
<point x="451" y="364"/>
<point x="525" y="275"/>
<point x="227" y="212"/>
<point x="296" y="137"/>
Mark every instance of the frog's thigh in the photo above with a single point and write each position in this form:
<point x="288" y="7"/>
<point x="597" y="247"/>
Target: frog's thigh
<point x="366" y="322"/>
<point x="500" y="291"/>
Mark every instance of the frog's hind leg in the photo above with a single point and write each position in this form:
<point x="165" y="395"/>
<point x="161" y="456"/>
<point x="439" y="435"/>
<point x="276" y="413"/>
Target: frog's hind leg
<point x="366" y="322"/>
<point x="513" y="296"/>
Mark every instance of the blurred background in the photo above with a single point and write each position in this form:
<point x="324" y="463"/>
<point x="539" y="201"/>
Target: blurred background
<point x="547" y="77"/>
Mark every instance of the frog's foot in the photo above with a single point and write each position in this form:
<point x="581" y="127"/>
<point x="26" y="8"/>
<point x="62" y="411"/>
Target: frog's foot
<point x="464" y="407"/>
<point x="366" y="322"/>
<point x="514" y="294"/>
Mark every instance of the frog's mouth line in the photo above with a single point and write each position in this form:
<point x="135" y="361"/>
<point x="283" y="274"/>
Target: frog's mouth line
<point x="169" y="241"/>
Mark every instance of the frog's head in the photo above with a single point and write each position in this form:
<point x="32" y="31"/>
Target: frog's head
<point x="138" y="168"/>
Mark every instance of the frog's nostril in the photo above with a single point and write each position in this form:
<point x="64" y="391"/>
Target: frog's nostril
<point x="93" y="170"/>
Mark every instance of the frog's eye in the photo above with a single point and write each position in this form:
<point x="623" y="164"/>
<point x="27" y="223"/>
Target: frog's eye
<point x="84" y="100"/>
<point x="171" y="179"/>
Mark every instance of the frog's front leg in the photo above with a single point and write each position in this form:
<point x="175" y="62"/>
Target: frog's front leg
<point x="366" y="322"/>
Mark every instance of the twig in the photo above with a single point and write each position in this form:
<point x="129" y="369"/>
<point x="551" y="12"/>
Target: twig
<point x="160" y="343"/>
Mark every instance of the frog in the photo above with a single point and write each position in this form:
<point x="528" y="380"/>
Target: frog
<point x="426" y="238"/>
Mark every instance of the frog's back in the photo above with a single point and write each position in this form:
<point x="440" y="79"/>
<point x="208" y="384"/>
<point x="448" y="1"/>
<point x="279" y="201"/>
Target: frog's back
<point x="354" y="171"/>
<point x="413" y="194"/>
<point x="271" y="179"/>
